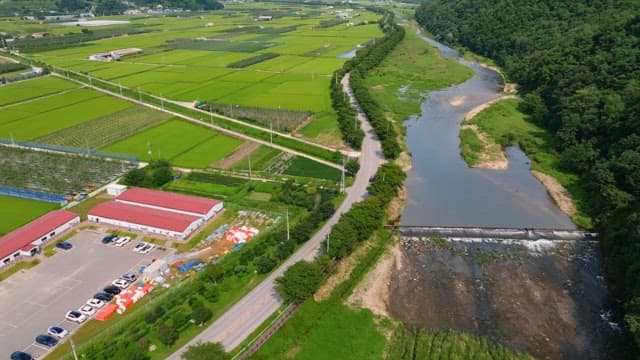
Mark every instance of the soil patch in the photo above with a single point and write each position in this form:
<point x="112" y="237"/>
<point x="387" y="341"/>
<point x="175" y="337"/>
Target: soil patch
<point x="458" y="100"/>
<point x="557" y="192"/>
<point x="550" y="301"/>
<point x="481" y="107"/>
<point x="373" y="291"/>
<point x="240" y="153"/>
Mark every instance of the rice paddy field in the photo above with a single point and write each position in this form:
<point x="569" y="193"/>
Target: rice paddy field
<point x="183" y="143"/>
<point x="16" y="212"/>
<point x="187" y="58"/>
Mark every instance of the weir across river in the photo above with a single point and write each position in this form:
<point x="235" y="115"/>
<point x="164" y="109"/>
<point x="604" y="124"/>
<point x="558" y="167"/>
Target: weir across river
<point x="424" y="232"/>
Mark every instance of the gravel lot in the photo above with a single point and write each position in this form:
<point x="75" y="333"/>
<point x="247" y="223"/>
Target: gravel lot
<point x="32" y="300"/>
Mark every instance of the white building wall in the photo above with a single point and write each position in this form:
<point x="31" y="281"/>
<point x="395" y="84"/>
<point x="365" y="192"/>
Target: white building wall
<point x="214" y="210"/>
<point x="165" y="232"/>
<point x="38" y="242"/>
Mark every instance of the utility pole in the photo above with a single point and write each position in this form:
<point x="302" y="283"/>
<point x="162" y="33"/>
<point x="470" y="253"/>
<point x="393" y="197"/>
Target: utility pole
<point x="342" y="175"/>
<point x="73" y="348"/>
<point x="249" y="166"/>
<point x="288" y="237"/>
<point x="120" y="85"/>
<point x="271" y="132"/>
<point x="161" y="102"/>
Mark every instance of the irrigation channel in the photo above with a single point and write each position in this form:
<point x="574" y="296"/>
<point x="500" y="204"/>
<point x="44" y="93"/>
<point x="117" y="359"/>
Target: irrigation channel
<point x="469" y="257"/>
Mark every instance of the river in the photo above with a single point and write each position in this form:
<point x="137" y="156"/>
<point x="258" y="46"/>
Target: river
<point x="443" y="190"/>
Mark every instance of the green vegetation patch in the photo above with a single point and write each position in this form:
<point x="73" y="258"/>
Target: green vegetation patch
<point x="470" y="146"/>
<point x="108" y="129"/>
<point x="410" y="70"/>
<point x="300" y="166"/>
<point x="504" y="123"/>
<point x="261" y="158"/>
<point x="252" y="60"/>
<point x="31" y="89"/>
<point x="219" y="45"/>
<point x="16" y="212"/>
<point x="207" y="152"/>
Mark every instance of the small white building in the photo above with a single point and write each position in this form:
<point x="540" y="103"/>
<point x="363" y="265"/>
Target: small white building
<point x="116" y="189"/>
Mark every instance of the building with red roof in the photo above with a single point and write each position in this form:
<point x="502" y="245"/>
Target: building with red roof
<point x="26" y="240"/>
<point x="156" y="212"/>
<point x="178" y="203"/>
<point x="142" y="218"/>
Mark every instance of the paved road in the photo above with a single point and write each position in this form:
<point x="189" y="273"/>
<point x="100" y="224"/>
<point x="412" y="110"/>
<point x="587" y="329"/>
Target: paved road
<point x="252" y="310"/>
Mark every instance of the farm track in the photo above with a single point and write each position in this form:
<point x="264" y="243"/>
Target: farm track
<point x="211" y="126"/>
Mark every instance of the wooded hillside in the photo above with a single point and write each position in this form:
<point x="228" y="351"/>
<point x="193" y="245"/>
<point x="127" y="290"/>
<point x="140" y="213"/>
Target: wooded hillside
<point x="578" y="65"/>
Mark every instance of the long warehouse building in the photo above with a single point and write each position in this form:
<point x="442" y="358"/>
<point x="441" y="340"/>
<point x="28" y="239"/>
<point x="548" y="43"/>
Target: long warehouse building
<point x="156" y="212"/>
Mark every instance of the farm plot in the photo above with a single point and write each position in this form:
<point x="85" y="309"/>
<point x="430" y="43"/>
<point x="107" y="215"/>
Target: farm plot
<point x="16" y="212"/>
<point x="108" y="129"/>
<point x="31" y="89"/>
<point x="56" y="173"/>
<point x="183" y="143"/>
<point x="299" y="166"/>
<point x="261" y="158"/>
<point x="49" y="120"/>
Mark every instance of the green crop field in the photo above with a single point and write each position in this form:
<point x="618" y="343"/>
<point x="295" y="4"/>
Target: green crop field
<point x="185" y="60"/>
<point x="108" y="129"/>
<point x="261" y="157"/>
<point x="16" y="212"/>
<point x="300" y="166"/>
<point x="30" y="89"/>
<point x="183" y="143"/>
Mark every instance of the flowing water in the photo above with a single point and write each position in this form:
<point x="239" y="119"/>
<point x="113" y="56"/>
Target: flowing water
<point x="443" y="190"/>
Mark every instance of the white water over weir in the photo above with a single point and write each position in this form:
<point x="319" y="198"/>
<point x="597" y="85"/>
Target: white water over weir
<point x="425" y="232"/>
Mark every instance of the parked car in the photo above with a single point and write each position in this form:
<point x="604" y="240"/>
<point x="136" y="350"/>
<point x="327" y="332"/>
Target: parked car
<point x="75" y="316"/>
<point x="112" y="289"/>
<point x="139" y="246"/>
<point x="121" y="283"/>
<point x="130" y="277"/>
<point x="64" y="245"/>
<point x="147" y="249"/>
<point x="47" y="340"/>
<point x="109" y="238"/>
<point x="57" y="331"/>
<point x="104" y="296"/>
<point x="21" y="355"/>
<point x="96" y="303"/>
<point x="122" y="241"/>
<point x="87" y="310"/>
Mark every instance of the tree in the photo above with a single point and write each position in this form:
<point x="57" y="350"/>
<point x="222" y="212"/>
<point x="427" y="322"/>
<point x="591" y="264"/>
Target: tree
<point x="213" y="272"/>
<point x="299" y="282"/>
<point x="134" y="177"/>
<point x="162" y="176"/>
<point x="167" y="334"/>
<point x="205" y="351"/>
<point x="265" y="263"/>
<point x="201" y="315"/>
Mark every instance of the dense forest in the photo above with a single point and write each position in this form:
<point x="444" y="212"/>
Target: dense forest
<point x="578" y="66"/>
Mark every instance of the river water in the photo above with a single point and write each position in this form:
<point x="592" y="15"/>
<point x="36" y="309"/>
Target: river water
<point x="443" y="190"/>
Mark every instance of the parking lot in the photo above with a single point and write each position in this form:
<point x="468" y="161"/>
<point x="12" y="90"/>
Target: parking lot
<point x="32" y="300"/>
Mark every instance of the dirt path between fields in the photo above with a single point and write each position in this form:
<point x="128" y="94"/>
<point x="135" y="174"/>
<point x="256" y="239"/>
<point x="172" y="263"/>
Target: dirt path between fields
<point x="240" y="153"/>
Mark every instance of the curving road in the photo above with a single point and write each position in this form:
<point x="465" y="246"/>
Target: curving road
<point x="254" y="308"/>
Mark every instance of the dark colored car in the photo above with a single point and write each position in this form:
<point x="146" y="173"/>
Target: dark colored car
<point x="64" y="245"/>
<point x="103" y="296"/>
<point x="112" y="289"/>
<point x="46" y="340"/>
<point x="109" y="238"/>
<point x="19" y="355"/>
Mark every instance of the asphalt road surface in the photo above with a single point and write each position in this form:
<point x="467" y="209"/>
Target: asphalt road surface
<point x="254" y="308"/>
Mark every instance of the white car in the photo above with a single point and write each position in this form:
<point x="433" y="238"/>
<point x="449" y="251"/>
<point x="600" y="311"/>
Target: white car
<point x="57" y="331"/>
<point x="96" y="303"/>
<point x="75" y="316"/>
<point x="121" y="283"/>
<point x="140" y="246"/>
<point x="147" y="249"/>
<point x="87" y="310"/>
<point x="122" y="241"/>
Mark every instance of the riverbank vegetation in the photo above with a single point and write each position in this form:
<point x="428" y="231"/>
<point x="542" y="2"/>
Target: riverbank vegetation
<point x="576" y="64"/>
<point x="503" y="124"/>
<point x="411" y="69"/>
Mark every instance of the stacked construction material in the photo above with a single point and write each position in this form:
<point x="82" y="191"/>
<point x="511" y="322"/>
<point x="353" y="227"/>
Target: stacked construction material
<point x="125" y="299"/>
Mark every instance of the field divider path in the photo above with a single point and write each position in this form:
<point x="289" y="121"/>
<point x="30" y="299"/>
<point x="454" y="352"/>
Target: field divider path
<point x="205" y="124"/>
<point x="257" y="306"/>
